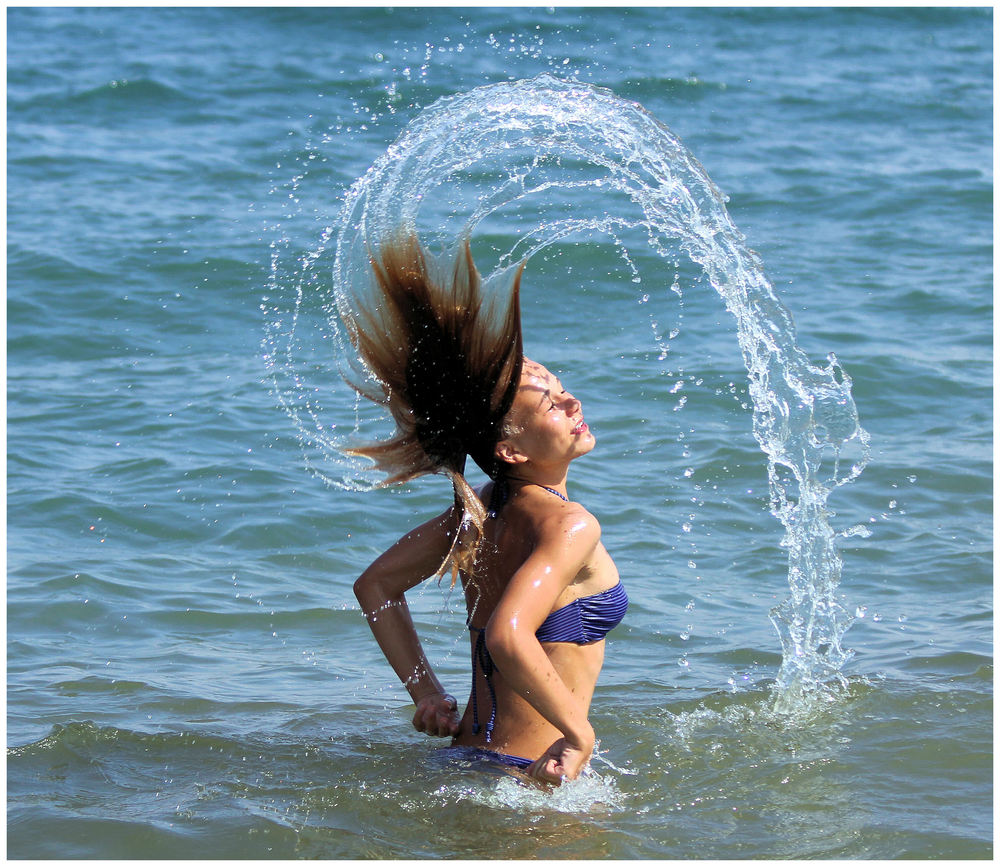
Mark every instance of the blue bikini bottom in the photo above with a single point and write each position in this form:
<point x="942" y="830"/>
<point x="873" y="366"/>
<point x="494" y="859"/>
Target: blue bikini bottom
<point x="478" y="754"/>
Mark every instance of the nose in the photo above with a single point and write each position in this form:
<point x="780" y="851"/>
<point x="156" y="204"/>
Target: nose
<point x="570" y="403"/>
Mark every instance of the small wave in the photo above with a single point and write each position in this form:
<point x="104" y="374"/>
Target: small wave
<point x="82" y="583"/>
<point x="48" y="168"/>
<point x="959" y="666"/>
<point x="255" y="614"/>
<point x="130" y="94"/>
<point x="74" y="736"/>
<point x="125" y="99"/>
<point x="46" y="267"/>
<point x="93" y="515"/>
<point x="690" y="87"/>
<point x="101" y="685"/>
<point x="86" y="736"/>
<point x="133" y="468"/>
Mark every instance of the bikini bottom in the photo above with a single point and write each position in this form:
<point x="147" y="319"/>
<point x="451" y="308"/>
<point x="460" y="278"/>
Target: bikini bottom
<point x="478" y="754"/>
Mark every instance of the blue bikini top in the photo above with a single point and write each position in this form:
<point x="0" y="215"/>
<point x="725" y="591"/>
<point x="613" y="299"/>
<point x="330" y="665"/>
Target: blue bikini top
<point x="586" y="619"/>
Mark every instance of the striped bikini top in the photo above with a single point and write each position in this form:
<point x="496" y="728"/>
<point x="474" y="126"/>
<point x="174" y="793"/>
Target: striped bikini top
<point x="586" y="619"/>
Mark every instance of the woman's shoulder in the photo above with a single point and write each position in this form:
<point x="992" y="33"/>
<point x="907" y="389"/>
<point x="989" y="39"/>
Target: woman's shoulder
<point x="570" y="519"/>
<point x="539" y="512"/>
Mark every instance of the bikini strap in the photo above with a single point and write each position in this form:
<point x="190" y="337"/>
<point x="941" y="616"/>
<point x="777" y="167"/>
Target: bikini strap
<point x="501" y="492"/>
<point x="554" y="491"/>
<point x="481" y="657"/>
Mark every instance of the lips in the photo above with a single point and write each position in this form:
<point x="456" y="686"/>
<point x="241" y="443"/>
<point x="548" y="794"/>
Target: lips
<point x="580" y="427"/>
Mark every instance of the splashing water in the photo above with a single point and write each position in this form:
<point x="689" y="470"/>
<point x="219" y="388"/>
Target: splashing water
<point x="452" y="171"/>
<point x="591" y="792"/>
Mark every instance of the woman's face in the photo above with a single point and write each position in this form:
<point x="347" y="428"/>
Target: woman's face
<point x="546" y="420"/>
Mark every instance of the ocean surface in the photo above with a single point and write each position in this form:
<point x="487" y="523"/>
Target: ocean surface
<point x="188" y="673"/>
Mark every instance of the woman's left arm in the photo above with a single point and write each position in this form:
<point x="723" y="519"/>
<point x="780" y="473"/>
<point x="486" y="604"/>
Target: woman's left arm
<point x="564" y="545"/>
<point x="381" y="589"/>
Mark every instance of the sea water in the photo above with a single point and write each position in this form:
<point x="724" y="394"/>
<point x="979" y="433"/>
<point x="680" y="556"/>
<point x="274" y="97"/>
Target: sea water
<point x="188" y="673"/>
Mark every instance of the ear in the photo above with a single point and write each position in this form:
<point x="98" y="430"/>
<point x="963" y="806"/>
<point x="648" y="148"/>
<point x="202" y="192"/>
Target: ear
<point x="506" y="452"/>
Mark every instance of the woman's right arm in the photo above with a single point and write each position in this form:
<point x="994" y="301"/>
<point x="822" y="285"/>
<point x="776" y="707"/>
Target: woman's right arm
<point x="380" y="591"/>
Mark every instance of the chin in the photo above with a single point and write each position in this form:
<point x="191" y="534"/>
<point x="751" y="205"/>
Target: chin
<point x="587" y="443"/>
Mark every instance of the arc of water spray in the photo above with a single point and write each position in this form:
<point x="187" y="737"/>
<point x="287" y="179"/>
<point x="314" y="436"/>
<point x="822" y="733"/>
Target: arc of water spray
<point x="803" y="414"/>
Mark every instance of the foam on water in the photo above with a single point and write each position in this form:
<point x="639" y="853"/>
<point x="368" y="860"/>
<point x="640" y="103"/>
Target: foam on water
<point x="505" y="161"/>
<point x="591" y="792"/>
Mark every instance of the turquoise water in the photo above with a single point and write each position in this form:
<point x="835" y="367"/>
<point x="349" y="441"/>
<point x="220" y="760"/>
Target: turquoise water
<point x="188" y="673"/>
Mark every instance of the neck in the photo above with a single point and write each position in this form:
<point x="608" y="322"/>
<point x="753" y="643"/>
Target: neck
<point x="553" y="483"/>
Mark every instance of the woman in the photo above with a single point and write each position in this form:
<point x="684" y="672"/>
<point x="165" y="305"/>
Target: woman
<point x="540" y="588"/>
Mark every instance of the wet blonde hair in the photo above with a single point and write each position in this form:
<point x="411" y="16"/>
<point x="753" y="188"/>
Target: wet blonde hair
<point x="447" y="367"/>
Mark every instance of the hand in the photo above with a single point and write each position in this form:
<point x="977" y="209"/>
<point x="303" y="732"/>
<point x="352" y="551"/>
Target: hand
<point x="437" y="715"/>
<point x="562" y="760"/>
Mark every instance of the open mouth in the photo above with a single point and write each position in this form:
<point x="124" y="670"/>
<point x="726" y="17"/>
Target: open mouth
<point x="580" y="427"/>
